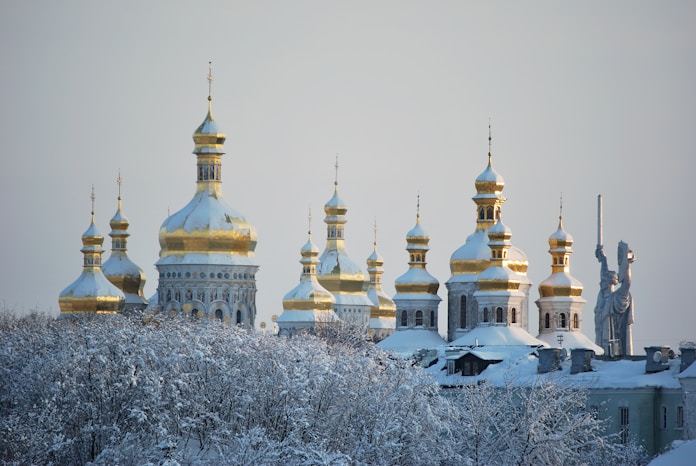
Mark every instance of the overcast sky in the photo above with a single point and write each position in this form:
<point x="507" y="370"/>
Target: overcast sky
<point x="584" y="98"/>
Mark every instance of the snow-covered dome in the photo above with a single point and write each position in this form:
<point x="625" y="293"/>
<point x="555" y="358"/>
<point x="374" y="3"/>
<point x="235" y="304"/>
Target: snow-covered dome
<point x="489" y="181"/>
<point x="417" y="280"/>
<point x="119" y="269"/>
<point x="337" y="271"/>
<point x="207" y="225"/>
<point x="91" y="292"/>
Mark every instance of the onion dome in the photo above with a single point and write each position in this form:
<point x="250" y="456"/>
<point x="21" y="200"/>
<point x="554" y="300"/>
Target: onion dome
<point x="91" y="292"/>
<point x="337" y="272"/>
<point x="309" y="302"/>
<point x="383" y="310"/>
<point x="498" y="276"/>
<point x="207" y="229"/>
<point x="119" y="269"/>
<point x="417" y="280"/>
<point x="473" y="257"/>
<point x="560" y="282"/>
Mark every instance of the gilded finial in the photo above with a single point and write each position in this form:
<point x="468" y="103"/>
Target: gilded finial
<point x="374" y="229"/>
<point x="418" y="208"/>
<point x="560" y="215"/>
<point x="119" y="181"/>
<point x="210" y="80"/>
<point x="490" y="139"/>
<point x="336" y="177"/>
<point x="92" y="197"/>
<point x="309" y="222"/>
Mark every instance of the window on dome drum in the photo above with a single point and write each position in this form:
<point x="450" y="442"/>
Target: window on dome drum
<point x="432" y="319"/>
<point x="404" y="318"/>
<point x="680" y="417"/>
<point x="497" y="213"/>
<point x="218" y="314"/>
<point x="239" y="317"/>
<point x="623" y="424"/>
<point x="514" y="315"/>
<point x="482" y="213"/>
<point x="485" y="314"/>
<point x="562" y="320"/>
<point x="499" y="314"/>
<point x="419" y="318"/>
<point x="576" y="321"/>
<point x="462" y="312"/>
<point x="489" y="213"/>
<point x="663" y="417"/>
<point x="547" y="320"/>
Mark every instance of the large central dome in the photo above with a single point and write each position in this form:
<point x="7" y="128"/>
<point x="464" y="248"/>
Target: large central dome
<point x="207" y="225"/>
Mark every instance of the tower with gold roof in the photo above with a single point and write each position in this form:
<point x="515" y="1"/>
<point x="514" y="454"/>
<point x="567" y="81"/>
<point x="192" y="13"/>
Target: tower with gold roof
<point x="383" y="311"/>
<point x="309" y="305"/>
<point x="206" y="266"/>
<point x="91" y="293"/>
<point x="337" y="272"/>
<point x="119" y="269"/>
<point x="472" y="258"/>
<point x="560" y="300"/>
<point x="416" y="298"/>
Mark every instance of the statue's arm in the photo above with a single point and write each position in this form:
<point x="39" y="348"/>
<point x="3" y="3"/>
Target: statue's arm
<point x="602" y="258"/>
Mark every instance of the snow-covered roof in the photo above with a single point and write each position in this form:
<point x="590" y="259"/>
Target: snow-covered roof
<point x="571" y="340"/>
<point x="520" y="368"/>
<point x="417" y="232"/>
<point x="688" y="372"/>
<point x="309" y="289"/>
<point x="405" y="342"/>
<point x="308" y="316"/>
<point x="208" y="212"/>
<point x="416" y="275"/>
<point x="498" y="335"/>
<point x="682" y="454"/>
<point x="561" y="279"/>
<point x="334" y="261"/>
<point x="91" y="283"/>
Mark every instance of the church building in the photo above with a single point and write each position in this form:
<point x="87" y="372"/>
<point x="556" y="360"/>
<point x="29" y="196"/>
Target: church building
<point x="206" y="262"/>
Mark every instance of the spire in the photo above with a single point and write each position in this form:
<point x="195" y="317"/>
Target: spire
<point x="207" y="138"/>
<point x="210" y="81"/>
<point x="418" y="208"/>
<point x="490" y="139"/>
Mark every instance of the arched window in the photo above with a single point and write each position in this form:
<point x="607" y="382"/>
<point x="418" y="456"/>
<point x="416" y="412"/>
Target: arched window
<point x="419" y="318"/>
<point x="514" y="316"/>
<point x="499" y="314"/>
<point x="218" y="314"/>
<point x="489" y="213"/>
<point x="497" y="213"/>
<point x="194" y="313"/>
<point x="462" y="312"/>
<point x="239" y="316"/>
<point x="404" y="318"/>
<point x="485" y="314"/>
<point x="547" y="321"/>
<point x="432" y="319"/>
<point x="482" y="213"/>
<point x="576" y="321"/>
<point x="562" y="320"/>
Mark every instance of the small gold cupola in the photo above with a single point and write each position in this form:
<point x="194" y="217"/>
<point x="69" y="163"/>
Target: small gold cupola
<point x="560" y="283"/>
<point x="91" y="292"/>
<point x="417" y="280"/>
<point x="119" y="269"/>
<point x="383" y="311"/>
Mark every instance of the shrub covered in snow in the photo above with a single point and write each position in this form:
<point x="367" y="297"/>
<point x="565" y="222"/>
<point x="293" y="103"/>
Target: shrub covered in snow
<point x="117" y="391"/>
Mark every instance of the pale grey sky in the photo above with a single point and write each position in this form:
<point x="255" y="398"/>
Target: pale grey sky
<point x="584" y="98"/>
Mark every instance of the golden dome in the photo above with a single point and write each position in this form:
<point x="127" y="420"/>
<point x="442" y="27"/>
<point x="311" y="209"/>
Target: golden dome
<point x="119" y="269"/>
<point x="91" y="292"/>
<point x="207" y="225"/>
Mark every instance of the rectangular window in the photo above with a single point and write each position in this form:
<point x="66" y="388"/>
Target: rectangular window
<point x="680" y="417"/>
<point x="663" y="417"/>
<point x="623" y="424"/>
<point x="467" y="368"/>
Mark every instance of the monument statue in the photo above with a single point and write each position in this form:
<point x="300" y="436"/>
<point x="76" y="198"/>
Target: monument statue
<point x="614" y="308"/>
